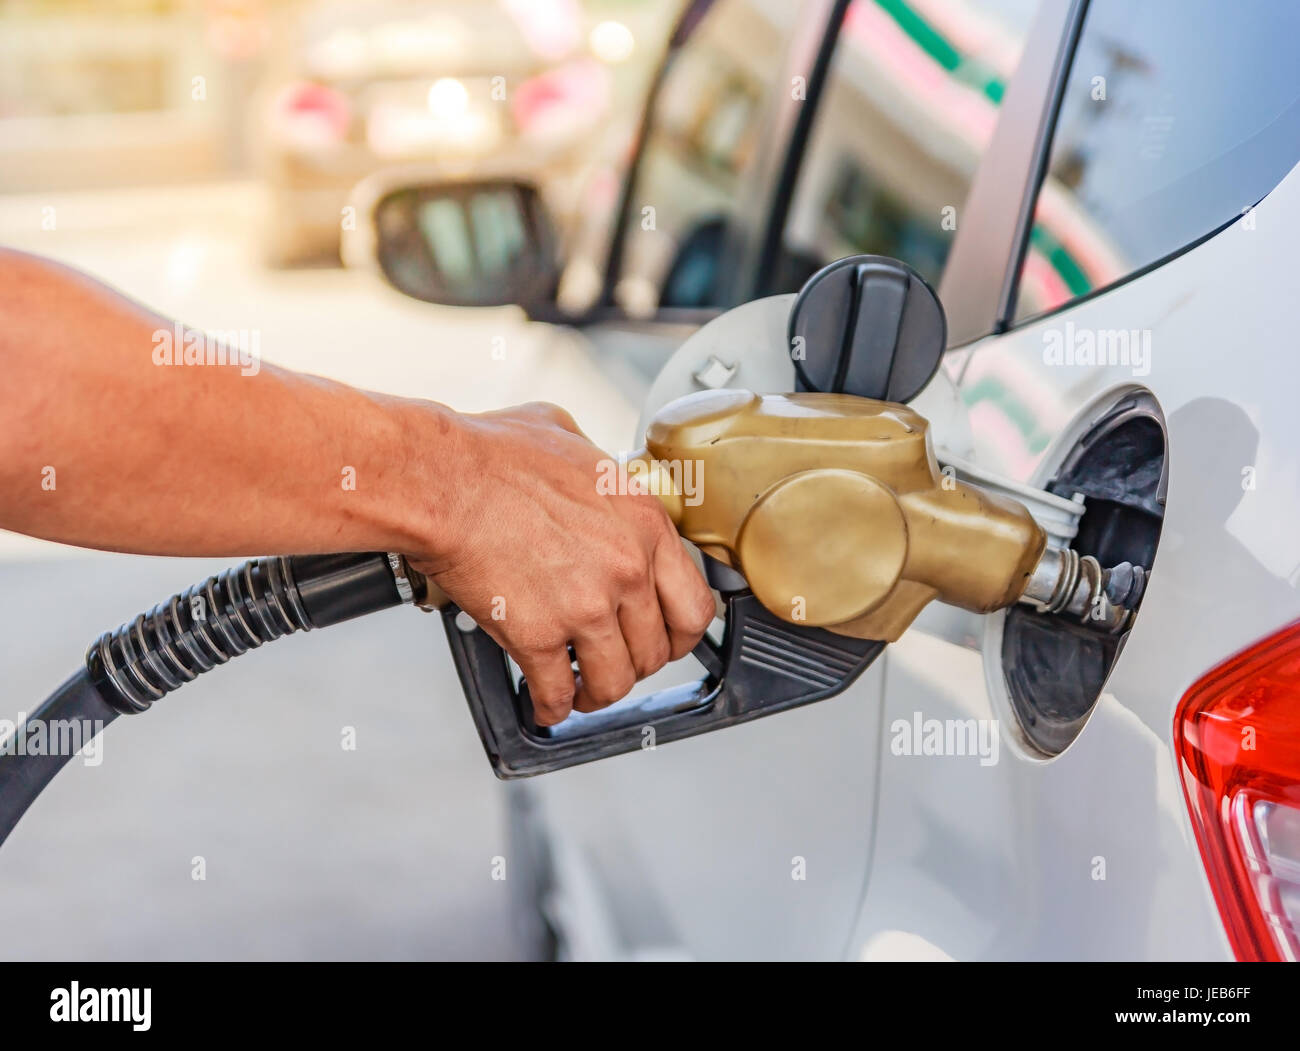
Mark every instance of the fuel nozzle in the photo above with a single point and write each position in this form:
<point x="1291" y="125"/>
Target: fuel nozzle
<point x="836" y="513"/>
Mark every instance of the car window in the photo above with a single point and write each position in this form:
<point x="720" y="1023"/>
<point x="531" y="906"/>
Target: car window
<point x="1177" y="116"/>
<point x="701" y="141"/>
<point x="908" y="110"/>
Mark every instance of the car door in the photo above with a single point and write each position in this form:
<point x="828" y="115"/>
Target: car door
<point x="709" y="166"/>
<point x="757" y="842"/>
<point x="1115" y="230"/>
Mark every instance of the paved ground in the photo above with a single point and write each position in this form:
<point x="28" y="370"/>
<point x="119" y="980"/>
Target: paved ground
<point x="311" y="851"/>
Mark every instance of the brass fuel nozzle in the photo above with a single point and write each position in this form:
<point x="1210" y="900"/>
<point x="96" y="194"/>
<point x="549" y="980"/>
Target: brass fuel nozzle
<point x="835" y="509"/>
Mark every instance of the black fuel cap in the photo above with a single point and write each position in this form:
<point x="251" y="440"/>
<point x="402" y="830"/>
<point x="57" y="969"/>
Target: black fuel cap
<point x="867" y="325"/>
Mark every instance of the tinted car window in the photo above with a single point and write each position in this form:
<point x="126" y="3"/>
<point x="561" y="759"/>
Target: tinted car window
<point x="908" y="109"/>
<point x="1177" y="116"/>
<point x="701" y="141"/>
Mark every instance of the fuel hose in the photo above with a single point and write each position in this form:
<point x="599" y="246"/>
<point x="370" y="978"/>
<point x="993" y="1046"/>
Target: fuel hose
<point x="128" y="670"/>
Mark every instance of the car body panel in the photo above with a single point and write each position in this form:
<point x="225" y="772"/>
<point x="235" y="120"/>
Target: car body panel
<point x="1008" y="859"/>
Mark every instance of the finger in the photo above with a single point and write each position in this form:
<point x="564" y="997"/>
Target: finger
<point x="605" y="672"/>
<point x="684" y="597"/>
<point x="644" y="631"/>
<point x="551" y="685"/>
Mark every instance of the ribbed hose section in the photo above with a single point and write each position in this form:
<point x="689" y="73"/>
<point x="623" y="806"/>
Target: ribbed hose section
<point x="194" y="631"/>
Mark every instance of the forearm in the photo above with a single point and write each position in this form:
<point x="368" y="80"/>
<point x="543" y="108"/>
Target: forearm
<point x="101" y="446"/>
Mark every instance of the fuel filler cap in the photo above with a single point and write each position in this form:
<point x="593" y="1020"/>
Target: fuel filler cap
<point x="867" y="325"/>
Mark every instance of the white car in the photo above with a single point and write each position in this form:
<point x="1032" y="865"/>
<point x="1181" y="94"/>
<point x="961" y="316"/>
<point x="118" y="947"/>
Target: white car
<point x="1106" y="196"/>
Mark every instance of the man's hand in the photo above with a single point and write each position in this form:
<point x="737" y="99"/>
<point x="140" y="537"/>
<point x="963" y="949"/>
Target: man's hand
<point x="542" y="560"/>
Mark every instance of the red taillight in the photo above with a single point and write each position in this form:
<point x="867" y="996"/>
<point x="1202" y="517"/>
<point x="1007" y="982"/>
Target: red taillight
<point x="1237" y="734"/>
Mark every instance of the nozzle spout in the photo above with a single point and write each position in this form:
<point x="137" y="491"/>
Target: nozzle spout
<point x="1067" y="583"/>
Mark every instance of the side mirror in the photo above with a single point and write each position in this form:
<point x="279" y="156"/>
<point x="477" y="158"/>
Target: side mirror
<point x="472" y="243"/>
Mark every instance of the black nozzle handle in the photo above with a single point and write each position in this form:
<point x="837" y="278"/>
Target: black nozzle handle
<point x="763" y="665"/>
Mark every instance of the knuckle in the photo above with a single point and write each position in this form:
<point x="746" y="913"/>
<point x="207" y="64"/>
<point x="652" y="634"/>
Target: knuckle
<point x="623" y="685"/>
<point x="592" y="617"/>
<point x="630" y="566"/>
<point x="702" y="613"/>
<point x="555" y="414"/>
<point x="606" y="693"/>
<point x="537" y="646"/>
<point x="654" y="657"/>
<point x="552" y="702"/>
<point x="663" y="651"/>
<point x="654" y="519"/>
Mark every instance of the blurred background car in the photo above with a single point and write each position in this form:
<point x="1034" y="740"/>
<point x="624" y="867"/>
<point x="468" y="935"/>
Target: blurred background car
<point x="354" y="87"/>
<point x="311" y="96"/>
